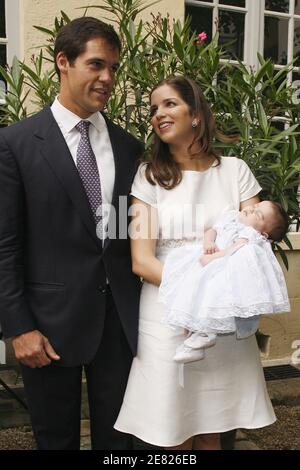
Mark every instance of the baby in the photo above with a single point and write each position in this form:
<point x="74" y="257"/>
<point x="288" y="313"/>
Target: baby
<point x="237" y="279"/>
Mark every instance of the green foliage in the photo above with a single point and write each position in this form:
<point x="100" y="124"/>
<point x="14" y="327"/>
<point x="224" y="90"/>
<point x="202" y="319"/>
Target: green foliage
<point x="14" y="108"/>
<point x="246" y="103"/>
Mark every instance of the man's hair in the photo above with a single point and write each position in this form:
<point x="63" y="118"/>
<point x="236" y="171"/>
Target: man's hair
<point x="281" y="223"/>
<point x="72" y="38"/>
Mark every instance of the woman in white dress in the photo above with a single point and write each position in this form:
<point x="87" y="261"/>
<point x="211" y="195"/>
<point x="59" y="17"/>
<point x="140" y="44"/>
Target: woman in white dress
<point x="176" y="196"/>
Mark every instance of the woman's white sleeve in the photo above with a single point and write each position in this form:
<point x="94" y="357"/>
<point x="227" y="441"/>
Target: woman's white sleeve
<point x="248" y="185"/>
<point x="142" y="189"/>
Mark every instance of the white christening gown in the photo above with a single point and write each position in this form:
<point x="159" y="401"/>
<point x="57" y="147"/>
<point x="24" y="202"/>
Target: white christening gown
<point x="246" y="284"/>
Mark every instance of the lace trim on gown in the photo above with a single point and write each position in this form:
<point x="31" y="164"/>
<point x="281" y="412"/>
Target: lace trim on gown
<point x="177" y="242"/>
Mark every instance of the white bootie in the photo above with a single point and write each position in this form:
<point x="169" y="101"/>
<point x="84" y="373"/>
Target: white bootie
<point x="185" y="354"/>
<point x="199" y="340"/>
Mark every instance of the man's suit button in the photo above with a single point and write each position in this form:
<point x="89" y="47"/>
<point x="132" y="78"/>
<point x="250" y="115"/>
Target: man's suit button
<point x="102" y="289"/>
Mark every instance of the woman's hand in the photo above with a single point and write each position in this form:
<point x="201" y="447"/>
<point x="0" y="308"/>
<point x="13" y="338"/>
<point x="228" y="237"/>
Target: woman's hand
<point x="205" y="259"/>
<point x="209" y="247"/>
<point x="208" y="258"/>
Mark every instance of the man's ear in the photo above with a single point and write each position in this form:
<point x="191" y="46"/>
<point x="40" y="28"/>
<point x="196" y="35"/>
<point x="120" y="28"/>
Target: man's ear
<point x="62" y="62"/>
<point x="266" y="235"/>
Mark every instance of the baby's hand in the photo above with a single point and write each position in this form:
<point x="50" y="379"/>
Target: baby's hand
<point x="209" y="248"/>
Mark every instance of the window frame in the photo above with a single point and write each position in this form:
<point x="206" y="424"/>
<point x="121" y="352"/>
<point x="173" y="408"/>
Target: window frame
<point x="3" y="40"/>
<point x="12" y="18"/>
<point x="12" y="26"/>
<point x="255" y="14"/>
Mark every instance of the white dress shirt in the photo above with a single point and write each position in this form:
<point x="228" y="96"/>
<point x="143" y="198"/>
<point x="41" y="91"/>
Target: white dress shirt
<point x="100" y="143"/>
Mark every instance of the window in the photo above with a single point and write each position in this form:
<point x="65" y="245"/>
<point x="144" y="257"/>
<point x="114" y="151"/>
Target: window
<point x="3" y="42"/>
<point x="245" y="27"/>
<point x="9" y="32"/>
<point x="226" y="17"/>
<point x="3" y="39"/>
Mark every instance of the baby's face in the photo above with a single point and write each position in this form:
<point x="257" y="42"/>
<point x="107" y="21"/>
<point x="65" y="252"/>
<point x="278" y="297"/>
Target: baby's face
<point x="260" y="216"/>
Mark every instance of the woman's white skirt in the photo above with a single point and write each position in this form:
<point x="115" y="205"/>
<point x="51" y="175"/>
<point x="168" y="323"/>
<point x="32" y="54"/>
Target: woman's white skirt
<point x="226" y="390"/>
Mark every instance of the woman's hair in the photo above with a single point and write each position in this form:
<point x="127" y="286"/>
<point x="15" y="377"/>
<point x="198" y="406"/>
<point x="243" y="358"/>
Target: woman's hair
<point x="162" y="168"/>
<point x="281" y="223"/>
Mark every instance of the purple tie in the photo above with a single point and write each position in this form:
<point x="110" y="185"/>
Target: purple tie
<point x="88" y="170"/>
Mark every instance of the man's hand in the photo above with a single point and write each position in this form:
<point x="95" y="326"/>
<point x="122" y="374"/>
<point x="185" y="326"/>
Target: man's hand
<point x="33" y="349"/>
<point x="209" y="247"/>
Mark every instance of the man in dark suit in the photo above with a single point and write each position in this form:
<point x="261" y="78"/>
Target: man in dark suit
<point x="67" y="295"/>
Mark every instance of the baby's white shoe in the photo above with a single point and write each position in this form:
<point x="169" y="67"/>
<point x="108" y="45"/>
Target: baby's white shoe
<point x="199" y="340"/>
<point x="185" y="354"/>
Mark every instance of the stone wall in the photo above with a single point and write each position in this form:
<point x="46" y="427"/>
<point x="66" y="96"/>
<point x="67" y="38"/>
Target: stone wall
<point x="43" y="12"/>
<point x="284" y="330"/>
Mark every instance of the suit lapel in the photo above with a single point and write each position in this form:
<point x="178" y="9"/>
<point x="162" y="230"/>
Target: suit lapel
<point x="55" y="150"/>
<point x="123" y="172"/>
<point x="120" y="168"/>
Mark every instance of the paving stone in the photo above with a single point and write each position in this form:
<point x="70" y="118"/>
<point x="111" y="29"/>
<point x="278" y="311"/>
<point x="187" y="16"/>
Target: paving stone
<point x="284" y="434"/>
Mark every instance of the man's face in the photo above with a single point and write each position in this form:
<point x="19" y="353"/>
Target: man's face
<point x="86" y="84"/>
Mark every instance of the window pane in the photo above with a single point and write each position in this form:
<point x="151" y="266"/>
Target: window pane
<point x="201" y="20"/>
<point x="297" y="42"/>
<point x="234" y="3"/>
<point x="2" y="18"/>
<point x="296" y="76"/>
<point x="277" y="5"/>
<point x="2" y="54"/>
<point x="276" y="37"/>
<point x="279" y="125"/>
<point x="297" y="7"/>
<point x="231" y="34"/>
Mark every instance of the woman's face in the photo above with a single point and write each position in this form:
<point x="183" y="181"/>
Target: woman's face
<point x="171" y="117"/>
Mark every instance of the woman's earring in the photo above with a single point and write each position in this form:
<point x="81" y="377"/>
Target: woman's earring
<point x="194" y="123"/>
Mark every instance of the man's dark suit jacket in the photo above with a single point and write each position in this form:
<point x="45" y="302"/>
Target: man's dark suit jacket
<point x="53" y="268"/>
